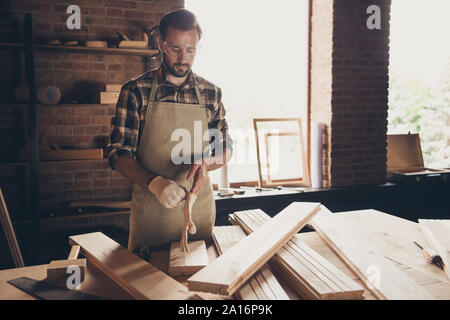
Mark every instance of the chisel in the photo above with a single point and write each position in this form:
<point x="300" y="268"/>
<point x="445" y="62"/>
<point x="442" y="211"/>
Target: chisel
<point x="431" y="256"/>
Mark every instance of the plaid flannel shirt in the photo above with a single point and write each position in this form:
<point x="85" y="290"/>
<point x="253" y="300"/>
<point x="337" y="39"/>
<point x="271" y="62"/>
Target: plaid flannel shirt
<point x="131" y="108"/>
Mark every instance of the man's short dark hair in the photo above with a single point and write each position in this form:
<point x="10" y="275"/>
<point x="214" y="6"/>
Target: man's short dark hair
<point x="180" y="19"/>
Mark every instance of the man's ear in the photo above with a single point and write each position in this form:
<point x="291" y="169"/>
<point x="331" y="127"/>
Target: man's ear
<point x="160" y="43"/>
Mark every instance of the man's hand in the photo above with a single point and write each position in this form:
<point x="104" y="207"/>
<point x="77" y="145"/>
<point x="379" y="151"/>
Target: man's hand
<point x="167" y="191"/>
<point x="199" y="171"/>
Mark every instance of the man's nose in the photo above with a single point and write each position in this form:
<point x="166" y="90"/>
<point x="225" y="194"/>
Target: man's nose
<point x="183" y="57"/>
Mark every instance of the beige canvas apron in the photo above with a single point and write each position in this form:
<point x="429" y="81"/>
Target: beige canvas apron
<point x="151" y="224"/>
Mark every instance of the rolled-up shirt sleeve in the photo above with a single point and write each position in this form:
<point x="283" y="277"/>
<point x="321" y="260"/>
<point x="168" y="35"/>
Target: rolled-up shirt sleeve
<point x="125" y="124"/>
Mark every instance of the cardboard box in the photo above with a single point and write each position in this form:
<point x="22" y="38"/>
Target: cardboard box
<point x="405" y="161"/>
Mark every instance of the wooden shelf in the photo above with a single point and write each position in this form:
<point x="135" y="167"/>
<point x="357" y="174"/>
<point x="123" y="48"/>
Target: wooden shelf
<point x="80" y="49"/>
<point x="10" y="45"/>
<point x="15" y="164"/>
<point x="27" y="163"/>
<point x="84" y="215"/>
<point x="58" y="105"/>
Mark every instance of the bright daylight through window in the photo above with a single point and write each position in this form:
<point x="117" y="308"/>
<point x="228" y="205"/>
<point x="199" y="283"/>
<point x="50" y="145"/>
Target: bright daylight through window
<point x="419" y="76"/>
<point x="256" y="52"/>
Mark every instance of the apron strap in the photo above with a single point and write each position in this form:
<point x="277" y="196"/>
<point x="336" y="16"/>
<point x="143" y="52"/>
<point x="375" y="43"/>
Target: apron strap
<point x="199" y="96"/>
<point x="154" y="88"/>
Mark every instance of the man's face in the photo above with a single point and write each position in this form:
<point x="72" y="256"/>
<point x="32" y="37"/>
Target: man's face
<point x="179" y="49"/>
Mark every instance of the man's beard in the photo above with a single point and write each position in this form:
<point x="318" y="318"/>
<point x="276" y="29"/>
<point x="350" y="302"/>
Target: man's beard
<point x="174" y="72"/>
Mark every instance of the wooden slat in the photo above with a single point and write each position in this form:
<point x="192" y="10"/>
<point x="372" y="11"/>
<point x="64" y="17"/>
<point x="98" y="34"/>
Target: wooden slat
<point x="437" y="234"/>
<point x="9" y="233"/>
<point x="187" y="263"/>
<point x="312" y="276"/>
<point x="75" y="154"/>
<point x="388" y="281"/>
<point x="232" y="269"/>
<point x="98" y="203"/>
<point x="268" y="287"/>
<point x="136" y="276"/>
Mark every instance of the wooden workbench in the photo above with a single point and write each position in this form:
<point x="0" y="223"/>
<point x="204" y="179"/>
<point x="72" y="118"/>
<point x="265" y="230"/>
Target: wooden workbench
<point x="391" y="236"/>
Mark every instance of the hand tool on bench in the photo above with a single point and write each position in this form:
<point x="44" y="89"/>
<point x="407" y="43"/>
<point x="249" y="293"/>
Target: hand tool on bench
<point x="57" y="269"/>
<point x="431" y="256"/>
<point x="256" y="188"/>
<point x="47" y="291"/>
<point x="230" y="191"/>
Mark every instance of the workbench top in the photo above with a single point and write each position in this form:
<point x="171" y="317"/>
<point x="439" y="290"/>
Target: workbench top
<point x="391" y="236"/>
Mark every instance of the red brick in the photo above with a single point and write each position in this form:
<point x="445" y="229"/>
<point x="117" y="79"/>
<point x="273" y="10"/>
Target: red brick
<point x="115" y="67"/>
<point x="81" y="65"/>
<point x="115" y="12"/>
<point x="98" y="66"/>
<point x="96" y="11"/>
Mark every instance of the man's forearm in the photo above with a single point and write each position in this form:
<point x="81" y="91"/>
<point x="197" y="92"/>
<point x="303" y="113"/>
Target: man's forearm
<point x="132" y="169"/>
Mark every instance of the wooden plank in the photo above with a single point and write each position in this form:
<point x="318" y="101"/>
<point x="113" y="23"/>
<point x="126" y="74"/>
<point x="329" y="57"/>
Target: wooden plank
<point x="109" y="97"/>
<point x="437" y="234"/>
<point x="136" y="276"/>
<point x="187" y="263"/>
<point x="79" y="49"/>
<point x="384" y="279"/>
<point x="71" y="154"/>
<point x="312" y="276"/>
<point x="95" y="282"/>
<point x="99" y="203"/>
<point x="267" y="286"/>
<point x="232" y="269"/>
<point x="392" y="237"/>
<point x="8" y="229"/>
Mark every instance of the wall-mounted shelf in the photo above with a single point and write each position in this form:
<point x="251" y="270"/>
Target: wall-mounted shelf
<point x="80" y="49"/>
<point x="30" y="47"/>
<point x="58" y="105"/>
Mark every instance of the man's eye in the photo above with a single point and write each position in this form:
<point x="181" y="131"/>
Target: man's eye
<point x="175" y="49"/>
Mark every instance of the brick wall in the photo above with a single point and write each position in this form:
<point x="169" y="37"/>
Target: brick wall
<point x="78" y="76"/>
<point x="349" y="90"/>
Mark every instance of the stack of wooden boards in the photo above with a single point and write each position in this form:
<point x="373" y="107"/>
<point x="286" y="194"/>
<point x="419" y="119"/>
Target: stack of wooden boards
<point x="239" y="263"/>
<point x="312" y="276"/>
<point x="246" y="263"/>
<point x="262" y="285"/>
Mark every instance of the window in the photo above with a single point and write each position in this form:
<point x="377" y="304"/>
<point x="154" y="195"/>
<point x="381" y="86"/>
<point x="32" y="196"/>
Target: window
<point x="419" y="76"/>
<point x="256" y="52"/>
